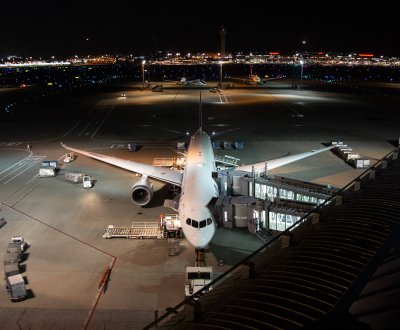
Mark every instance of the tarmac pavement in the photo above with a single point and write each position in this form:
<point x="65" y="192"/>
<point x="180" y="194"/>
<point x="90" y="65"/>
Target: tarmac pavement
<point x="63" y="222"/>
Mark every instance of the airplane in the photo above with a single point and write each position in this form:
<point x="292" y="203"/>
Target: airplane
<point x="252" y="79"/>
<point x="186" y="82"/>
<point x="197" y="183"/>
<point x="194" y="82"/>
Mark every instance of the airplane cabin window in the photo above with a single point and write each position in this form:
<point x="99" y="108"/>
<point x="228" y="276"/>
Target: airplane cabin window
<point x="189" y="221"/>
<point x="195" y="223"/>
<point x="203" y="223"/>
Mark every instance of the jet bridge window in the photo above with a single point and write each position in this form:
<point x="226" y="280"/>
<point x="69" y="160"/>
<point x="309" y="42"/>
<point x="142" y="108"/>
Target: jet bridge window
<point x="203" y="223"/>
<point x="195" y="223"/>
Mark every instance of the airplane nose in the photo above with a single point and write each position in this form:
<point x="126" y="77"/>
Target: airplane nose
<point x="201" y="238"/>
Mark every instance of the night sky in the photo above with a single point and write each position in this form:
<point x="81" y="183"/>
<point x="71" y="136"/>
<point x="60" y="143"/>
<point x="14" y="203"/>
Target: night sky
<point x="65" y="28"/>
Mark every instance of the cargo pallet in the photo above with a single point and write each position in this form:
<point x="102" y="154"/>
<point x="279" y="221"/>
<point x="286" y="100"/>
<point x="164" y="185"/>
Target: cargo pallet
<point x="169" y="226"/>
<point x="137" y="230"/>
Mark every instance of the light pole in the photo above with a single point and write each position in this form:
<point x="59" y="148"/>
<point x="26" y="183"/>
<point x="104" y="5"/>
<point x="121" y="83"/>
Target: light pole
<point x="303" y="42"/>
<point x="301" y="73"/>
<point x="143" y="63"/>
<point x="220" y="75"/>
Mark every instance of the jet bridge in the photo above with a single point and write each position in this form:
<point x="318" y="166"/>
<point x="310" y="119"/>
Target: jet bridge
<point x="270" y="204"/>
<point x="226" y="160"/>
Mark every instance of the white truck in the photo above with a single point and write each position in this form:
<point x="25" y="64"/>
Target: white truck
<point x="15" y="286"/>
<point x="196" y="279"/>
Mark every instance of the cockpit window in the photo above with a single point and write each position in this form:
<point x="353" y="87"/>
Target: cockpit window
<point x="199" y="224"/>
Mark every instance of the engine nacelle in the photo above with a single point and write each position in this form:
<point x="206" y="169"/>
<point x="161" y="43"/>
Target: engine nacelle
<point x="142" y="191"/>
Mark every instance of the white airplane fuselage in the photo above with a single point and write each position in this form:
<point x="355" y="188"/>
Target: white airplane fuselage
<point x="198" y="187"/>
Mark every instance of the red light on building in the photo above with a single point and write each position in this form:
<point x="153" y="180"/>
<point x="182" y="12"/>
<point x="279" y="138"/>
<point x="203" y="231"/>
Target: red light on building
<point x="321" y="53"/>
<point x="273" y="53"/>
<point x="366" y="55"/>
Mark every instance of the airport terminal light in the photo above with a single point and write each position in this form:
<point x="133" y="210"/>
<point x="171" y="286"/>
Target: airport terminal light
<point x="143" y="63"/>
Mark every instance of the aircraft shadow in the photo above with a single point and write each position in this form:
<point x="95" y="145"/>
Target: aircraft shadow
<point x="160" y="195"/>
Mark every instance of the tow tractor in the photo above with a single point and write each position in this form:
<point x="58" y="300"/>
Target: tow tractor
<point x="69" y="158"/>
<point x="197" y="278"/>
<point x="87" y="181"/>
<point x="20" y="240"/>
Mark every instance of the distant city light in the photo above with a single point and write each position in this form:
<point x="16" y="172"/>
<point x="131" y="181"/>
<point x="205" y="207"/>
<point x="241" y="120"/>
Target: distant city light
<point x="34" y="63"/>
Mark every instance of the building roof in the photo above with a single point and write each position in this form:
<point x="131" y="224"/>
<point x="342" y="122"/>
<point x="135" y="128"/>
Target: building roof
<point x="319" y="276"/>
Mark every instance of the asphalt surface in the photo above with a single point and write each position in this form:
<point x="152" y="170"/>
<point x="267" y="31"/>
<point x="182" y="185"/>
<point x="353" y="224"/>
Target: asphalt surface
<point x="63" y="222"/>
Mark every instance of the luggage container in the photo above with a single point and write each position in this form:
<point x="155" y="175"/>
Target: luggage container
<point x="47" y="171"/>
<point x="74" y="176"/>
<point x="50" y="163"/>
<point x="15" y="285"/>
<point x="11" y="269"/>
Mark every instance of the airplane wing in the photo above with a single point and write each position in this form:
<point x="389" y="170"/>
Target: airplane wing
<point x="239" y="79"/>
<point x="196" y="82"/>
<point x="274" y="163"/>
<point x="160" y="173"/>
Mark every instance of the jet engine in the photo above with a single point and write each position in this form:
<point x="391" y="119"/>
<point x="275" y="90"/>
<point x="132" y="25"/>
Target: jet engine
<point x="142" y="191"/>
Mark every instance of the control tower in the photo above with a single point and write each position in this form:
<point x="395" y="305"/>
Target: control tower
<point x="222" y="33"/>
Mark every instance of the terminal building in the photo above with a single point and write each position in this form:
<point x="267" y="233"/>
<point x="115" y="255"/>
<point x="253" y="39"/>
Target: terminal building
<point x="337" y="269"/>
